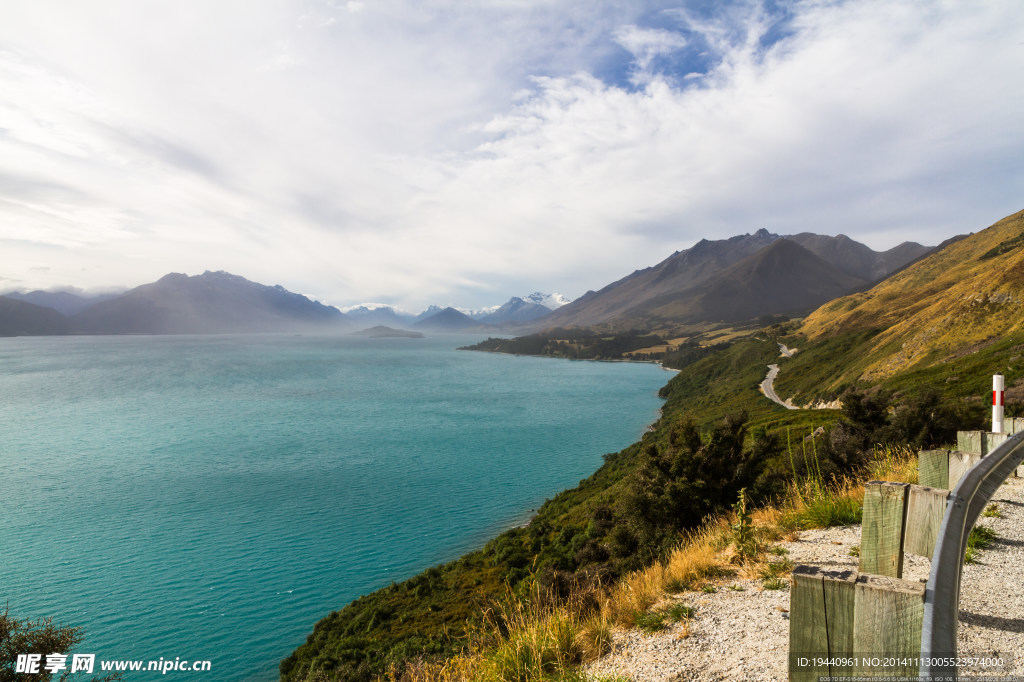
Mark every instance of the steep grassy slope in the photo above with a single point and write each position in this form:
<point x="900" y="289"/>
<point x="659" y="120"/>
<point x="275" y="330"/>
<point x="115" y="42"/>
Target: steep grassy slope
<point x="952" y="317"/>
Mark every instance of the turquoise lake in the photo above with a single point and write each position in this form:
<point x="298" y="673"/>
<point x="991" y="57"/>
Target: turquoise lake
<point x="211" y="498"/>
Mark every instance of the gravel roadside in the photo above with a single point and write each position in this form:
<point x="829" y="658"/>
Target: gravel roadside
<point x="741" y="632"/>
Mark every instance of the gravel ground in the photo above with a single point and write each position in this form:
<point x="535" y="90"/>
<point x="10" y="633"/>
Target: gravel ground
<point x="744" y="634"/>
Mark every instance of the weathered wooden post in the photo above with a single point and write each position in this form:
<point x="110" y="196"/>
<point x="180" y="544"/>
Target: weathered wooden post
<point x="882" y="527"/>
<point x="959" y="463"/>
<point x="820" y="622"/>
<point x="971" y="442"/>
<point x="887" y="624"/>
<point x="933" y="468"/>
<point x="925" y="509"/>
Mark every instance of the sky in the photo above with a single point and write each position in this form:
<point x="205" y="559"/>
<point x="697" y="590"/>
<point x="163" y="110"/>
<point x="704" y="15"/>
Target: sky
<point x="417" y="152"/>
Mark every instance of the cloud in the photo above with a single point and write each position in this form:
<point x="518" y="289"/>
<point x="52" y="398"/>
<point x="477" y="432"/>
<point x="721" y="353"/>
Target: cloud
<point x="455" y="152"/>
<point x="646" y="44"/>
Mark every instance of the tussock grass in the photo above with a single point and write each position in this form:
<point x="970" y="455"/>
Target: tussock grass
<point x="896" y="463"/>
<point x="814" y="505"/>
<point x="533" y="638"/>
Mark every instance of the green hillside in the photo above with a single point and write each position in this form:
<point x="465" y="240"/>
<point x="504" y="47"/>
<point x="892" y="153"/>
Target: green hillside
<point x="898" y="382"/>
<point x="947" y="322"/>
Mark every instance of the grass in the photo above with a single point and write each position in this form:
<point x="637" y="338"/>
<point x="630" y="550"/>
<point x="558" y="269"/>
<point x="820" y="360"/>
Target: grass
<point x="992" y="511"/>
<point x="896" y="463"/>
<point x="651" y="621"/>
<point x="980" y="537"/>
<point x="679" y="612"/>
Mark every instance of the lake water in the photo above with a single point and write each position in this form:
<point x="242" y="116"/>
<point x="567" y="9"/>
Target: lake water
<point x="210" y="498"/>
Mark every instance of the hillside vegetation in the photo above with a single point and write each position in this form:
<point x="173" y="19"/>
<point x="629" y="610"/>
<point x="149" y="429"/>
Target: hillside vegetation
<point x="910" y="383"/>
<point x="947" y="322"/>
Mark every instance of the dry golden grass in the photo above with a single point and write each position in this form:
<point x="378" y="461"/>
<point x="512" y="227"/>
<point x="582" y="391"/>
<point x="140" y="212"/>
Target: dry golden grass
<point x="896" y="463"/>
<point x="531" y="640"/>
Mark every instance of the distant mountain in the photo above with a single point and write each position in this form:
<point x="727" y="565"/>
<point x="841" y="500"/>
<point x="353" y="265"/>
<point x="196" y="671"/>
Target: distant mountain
<point x="64" y="302"/>
<point x="551" y="301"/>
<point x="658" y="293"/>
<point x="211" y="303"/>
<point x="20" y="318"/>
<point x="476" y="313"/>
<point x="446" y="320"/>
<point x="513" y="310"/>
<point x="783" y="277"/>
<point x="516" y="310"/>
<point x="382" y="332"/>
<point x="365" y="316"/>
<point x="430" y="312"/>
<point x="856" y="258"/>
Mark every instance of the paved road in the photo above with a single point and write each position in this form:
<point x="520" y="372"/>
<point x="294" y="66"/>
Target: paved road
<point x="769" y="389"/>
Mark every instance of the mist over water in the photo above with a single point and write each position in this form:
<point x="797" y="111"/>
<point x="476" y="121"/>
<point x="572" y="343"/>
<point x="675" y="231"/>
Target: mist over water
<point x="211" y="498"/>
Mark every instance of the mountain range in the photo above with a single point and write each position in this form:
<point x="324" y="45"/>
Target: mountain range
<point x="211" y="303"/>
<point x="220" y="302"/>
<point x="729" y="280"/>
<point x="733" y="279"/>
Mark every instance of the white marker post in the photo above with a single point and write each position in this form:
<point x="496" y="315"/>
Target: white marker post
<point x="997" y="403"/>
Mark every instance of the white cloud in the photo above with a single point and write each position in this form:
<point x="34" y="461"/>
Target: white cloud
<point x="423" y="152"/>
<point x="646" y="44"/>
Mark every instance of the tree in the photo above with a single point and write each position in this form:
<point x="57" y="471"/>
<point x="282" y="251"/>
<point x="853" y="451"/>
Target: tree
<point x="42" y="637"/>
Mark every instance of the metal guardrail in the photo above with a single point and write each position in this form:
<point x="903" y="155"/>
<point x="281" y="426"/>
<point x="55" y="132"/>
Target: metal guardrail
<point x="942" y="594"/>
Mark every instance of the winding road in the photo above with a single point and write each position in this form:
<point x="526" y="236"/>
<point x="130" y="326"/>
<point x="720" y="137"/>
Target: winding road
<point x="768" y="385"/>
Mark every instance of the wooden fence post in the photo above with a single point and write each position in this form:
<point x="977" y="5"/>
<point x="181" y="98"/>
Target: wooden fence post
<point x="882" y="527"/>
<point x="808" y="636"/>
<point x="994" y="440"/>
<point x="970" y="441"/>
<point x="887" y="621"/>
<point x="925" y="509"/>
<point x="933" y="468"/>
<point x="821" y="610"/>
<point x="959" y="463"/>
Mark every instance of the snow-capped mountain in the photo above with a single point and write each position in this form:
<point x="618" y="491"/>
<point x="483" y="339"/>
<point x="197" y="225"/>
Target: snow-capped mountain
<point x="477" y="313"/>
<point x="516" y="310"/>
<point x="550" y="301"/>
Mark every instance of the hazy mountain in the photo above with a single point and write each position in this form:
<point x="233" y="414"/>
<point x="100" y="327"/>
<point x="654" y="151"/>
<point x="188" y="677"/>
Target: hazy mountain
<point x="64" y="302"/>
<point x="516" y="310"/>
<point x="856" y="258"/>
<point x="446" y="320"/>
<point x="20" y="318"/>
<point x="783" y="277"/>
<point x="214" y="302"/>
<point x="365" y="316"/>
<point x="382" y="332"/>
<point x="658" y="293"/>
<point x="430" y="312"/>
